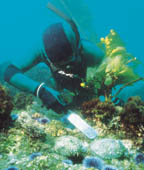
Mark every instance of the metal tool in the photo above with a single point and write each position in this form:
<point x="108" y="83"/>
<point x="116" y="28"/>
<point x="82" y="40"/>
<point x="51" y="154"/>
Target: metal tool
<point x="82" y="125"/>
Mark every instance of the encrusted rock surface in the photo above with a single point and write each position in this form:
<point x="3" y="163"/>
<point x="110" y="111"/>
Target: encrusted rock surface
<point x="108" y="148"/>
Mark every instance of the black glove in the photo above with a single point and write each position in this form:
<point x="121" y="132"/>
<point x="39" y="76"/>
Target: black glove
<point x="51" y="99"/>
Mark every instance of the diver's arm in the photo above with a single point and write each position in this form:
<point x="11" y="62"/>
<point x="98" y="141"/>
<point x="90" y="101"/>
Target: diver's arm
<point x="92" y="54"/>
<point x="14" y="72"/>
<point x="51" y="98"/>
<point x="16" y="77"/>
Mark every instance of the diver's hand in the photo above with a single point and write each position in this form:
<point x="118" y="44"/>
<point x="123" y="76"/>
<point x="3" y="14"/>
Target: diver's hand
<point x="67" y="96"/>
<point x="51" y="98"/>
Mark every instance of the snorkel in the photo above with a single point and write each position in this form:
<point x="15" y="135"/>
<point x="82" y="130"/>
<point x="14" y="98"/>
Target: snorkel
<point x="67" y="18"/>
<point x="73" y="63"/>
<point x="70" y="21"/>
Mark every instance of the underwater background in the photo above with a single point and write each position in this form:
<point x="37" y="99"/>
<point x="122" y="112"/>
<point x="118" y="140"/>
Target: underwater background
<point x="38" y="138"/>
<point x="22" y="24"/>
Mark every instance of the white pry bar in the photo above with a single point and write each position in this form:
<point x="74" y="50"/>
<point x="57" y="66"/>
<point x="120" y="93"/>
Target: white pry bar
<point x="79" y="123"/>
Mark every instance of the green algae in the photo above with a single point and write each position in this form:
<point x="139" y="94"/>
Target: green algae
<point x="21" y="100"/>
<point x="18" y="143"/>
<point x="117" y="68"/>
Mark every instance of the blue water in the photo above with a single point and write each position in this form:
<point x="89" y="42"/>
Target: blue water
<point x="22" y="23"/>
<point x="126" y="17"/>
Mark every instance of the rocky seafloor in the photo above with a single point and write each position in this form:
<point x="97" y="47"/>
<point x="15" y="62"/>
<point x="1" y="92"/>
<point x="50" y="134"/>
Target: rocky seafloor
<point x="40" y="139"/>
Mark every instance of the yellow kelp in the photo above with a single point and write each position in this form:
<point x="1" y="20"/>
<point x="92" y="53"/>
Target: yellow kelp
<point x="113" y="43"/>
<point x="119" y="62"/>
<point x="117" y="67"/>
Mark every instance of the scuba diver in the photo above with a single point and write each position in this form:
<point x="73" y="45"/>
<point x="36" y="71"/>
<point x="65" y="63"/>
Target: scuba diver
<point x="66" y="54"/>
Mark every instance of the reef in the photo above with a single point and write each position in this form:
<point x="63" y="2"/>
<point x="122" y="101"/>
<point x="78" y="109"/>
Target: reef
<point x="30" y="144"/>
<point x="132" y="116"/>
<point x="108" y="149"/>
<point x="21" y="100"/>
<point x="124" y="122"/>
<point x="6" y="107"/>
<point x="96" y="110"/>
<point x="128" y="120"/>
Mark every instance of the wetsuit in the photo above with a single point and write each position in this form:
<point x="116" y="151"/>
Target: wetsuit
<point x="57" y="46"/>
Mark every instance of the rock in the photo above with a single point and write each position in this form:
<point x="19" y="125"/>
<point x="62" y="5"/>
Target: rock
<point x="31" y="127"/>
<point x="108" y="148"/>
<point x="69" y="146"/>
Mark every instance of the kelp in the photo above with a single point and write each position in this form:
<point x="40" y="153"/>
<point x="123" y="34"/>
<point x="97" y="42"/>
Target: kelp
<point x="117" y="68"/>
<point x="6" y="107"/>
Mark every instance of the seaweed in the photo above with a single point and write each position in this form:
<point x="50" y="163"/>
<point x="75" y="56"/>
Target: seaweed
<point x="132" y="117"/>
<point x="21" y="100"/>
<point x="6" y="107"/>
<point x="117" y="68"/>
<point x="96" y="110"/>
